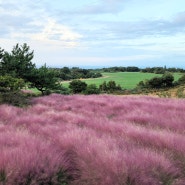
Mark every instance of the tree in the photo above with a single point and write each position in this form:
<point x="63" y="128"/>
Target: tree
<point x="44" y="79"/>
<point x="77" y="86"/>
<point x="18" y="63"/>
<point x="167" y="79"/>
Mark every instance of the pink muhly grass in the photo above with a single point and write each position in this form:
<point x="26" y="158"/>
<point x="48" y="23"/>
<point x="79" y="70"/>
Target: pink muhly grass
<point x="101" y="140"/>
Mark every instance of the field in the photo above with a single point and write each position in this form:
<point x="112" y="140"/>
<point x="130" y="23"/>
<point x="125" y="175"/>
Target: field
<point x="127" y="80"/>
<point x="93" y="140"/>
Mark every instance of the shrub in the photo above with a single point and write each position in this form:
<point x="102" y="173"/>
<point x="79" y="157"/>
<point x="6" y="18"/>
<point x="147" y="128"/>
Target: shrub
<point x="109" y="87"/>
<point x="9" y="83"/>
<point x="92" y="89"/>
<point x="15" y="98"/>
<point x="182" y="80"/>
<point x="77" y="86"/>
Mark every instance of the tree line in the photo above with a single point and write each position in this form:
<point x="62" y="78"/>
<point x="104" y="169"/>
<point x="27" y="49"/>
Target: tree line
<point x="156" y="70"/>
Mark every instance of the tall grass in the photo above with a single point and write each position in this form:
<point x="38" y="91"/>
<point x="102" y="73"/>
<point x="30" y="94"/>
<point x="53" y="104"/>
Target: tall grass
<point x="93" y="140"/>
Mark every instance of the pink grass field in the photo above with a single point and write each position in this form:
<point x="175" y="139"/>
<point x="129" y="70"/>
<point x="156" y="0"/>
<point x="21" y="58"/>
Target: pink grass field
<point x="93" y="140"/>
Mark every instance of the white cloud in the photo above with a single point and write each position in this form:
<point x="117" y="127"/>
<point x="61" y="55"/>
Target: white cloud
<point x="58" y="33"/>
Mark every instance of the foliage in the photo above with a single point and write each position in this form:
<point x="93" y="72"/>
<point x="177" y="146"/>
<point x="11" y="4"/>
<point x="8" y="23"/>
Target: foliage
<point x="92" y="89"/>
<point x="109" y="86"/>
<point x="122" y="69"/>
<point x="77" y="86"/>
<point x="182" y="80"/>
<point x="18" y="63"/>
<point x="66" y="73"/>
<point x="9" y="83"/>
<point x="158" y="82"/>
<point x="162" y="70"/>
<point x="93" y="140"/>
<point x="44" y="79"/>
<point x="167" y="79"/>
<point x="15" y="98"/>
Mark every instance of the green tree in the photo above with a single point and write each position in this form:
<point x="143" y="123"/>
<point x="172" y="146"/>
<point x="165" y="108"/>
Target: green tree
<point x="44" y="79"/>
<point x="18" y="63"/>
<point x="77" y="86"/>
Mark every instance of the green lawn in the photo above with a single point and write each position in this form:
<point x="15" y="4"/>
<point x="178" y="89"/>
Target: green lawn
<point x="127" y="80"/>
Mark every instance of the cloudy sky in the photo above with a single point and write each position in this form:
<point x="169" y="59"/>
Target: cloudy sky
<point x="97" y="33"/>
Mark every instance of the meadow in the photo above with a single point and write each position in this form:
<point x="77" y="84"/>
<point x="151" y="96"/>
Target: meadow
<point x="93" y="140"/>
<point x="127" y="80"/>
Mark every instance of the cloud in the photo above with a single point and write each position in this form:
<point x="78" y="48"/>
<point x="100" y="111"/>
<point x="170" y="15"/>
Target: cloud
<point x="25" y="21"/>
<point x="52" y="31"/>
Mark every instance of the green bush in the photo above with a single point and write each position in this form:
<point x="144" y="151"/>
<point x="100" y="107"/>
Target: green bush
<point x="109" y="87"/>
<point x="77" y="86"/>
<point x="92" y="89"/>
<point x="9" y="83"/>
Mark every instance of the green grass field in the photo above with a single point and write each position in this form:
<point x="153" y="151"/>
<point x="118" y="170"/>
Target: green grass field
<point x="127" y="80"/>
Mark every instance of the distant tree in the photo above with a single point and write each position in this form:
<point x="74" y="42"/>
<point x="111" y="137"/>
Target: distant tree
<point x="132" y="69"/>
<point x="77" y="86"/>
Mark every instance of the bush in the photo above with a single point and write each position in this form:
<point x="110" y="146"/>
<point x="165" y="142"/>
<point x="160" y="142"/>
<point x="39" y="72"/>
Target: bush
<point x="15" y="98"/>
<point x="77" y="86"/>
<point x="92" y="89"/>
<point x="10" y="83"/>
<point x="182" y="80"/>
<point x="109" y="87"/>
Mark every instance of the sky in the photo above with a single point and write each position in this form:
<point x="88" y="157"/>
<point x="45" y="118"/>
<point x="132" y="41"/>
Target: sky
<point x="96" y="33"/>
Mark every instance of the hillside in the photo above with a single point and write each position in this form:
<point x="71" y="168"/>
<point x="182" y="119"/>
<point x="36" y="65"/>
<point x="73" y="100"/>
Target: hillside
<point x="94" y="140"/>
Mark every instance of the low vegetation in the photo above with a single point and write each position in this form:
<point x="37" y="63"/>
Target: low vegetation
<point x="96" y="139"/>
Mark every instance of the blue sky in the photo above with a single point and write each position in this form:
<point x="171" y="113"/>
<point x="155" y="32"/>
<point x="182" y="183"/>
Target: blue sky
<point x="97" y="33"/>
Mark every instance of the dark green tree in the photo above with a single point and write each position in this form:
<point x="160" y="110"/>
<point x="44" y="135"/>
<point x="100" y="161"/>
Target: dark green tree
<point x="17" y="63"/>
<point x="44" y="79"/>
<point x="77" y="86"/>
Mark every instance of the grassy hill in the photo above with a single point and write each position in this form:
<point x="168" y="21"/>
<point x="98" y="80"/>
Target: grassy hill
<point x="95" y="139"/>
<point x="127" y="80"/>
